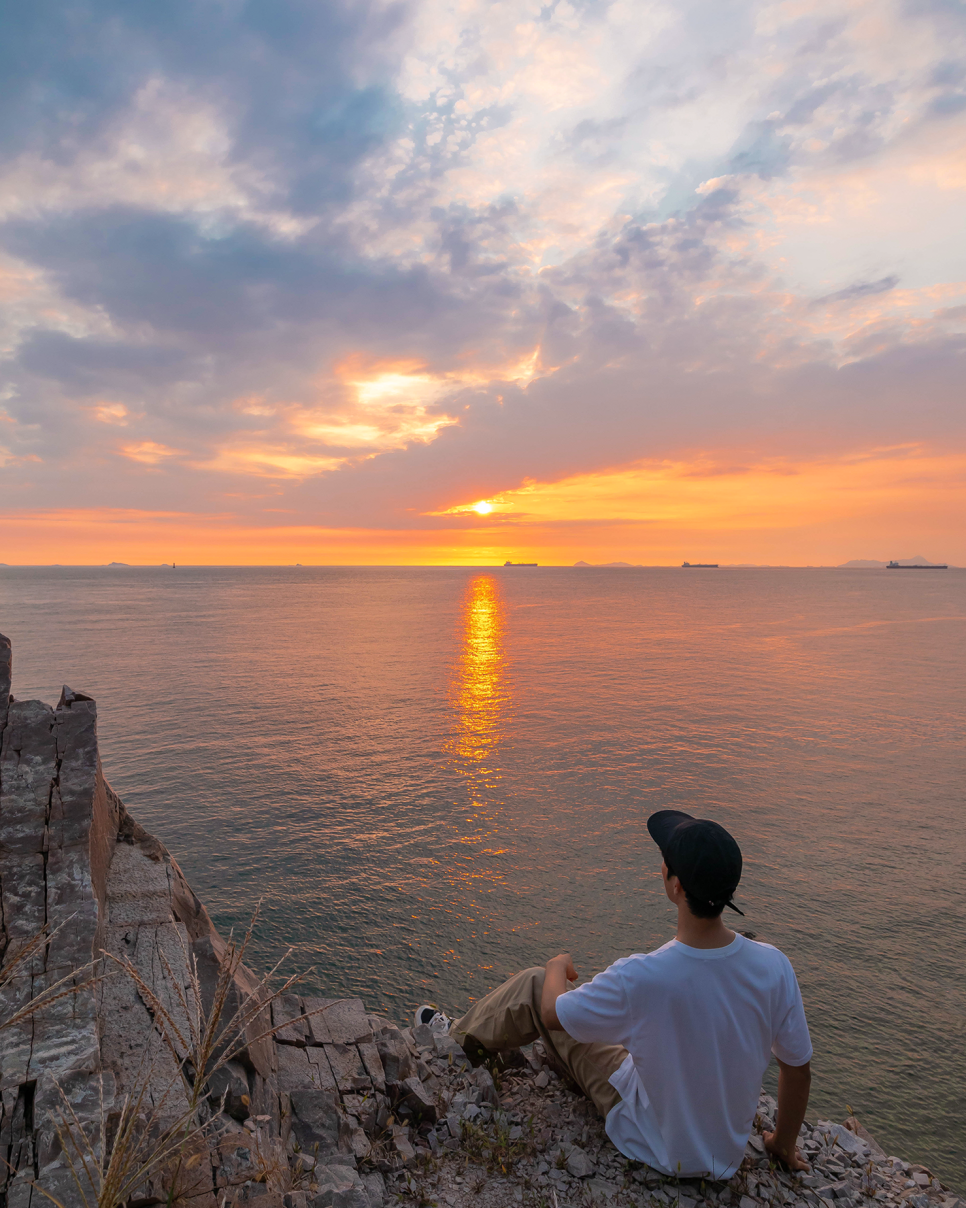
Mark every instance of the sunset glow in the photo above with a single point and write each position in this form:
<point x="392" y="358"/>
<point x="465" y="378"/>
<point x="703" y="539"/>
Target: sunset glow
<point x="606" y="282"/>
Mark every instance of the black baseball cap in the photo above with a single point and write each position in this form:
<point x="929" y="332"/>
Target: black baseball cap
<point x="700" y="853"/>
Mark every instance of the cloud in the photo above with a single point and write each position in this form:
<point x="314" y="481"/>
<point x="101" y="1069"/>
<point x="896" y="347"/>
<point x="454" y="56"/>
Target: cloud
<point x="864" y="289"/>
<point x="148" y="452"/>
<point x="369" y="263"/>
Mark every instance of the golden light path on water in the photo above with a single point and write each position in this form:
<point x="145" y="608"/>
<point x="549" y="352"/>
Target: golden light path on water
<point x="480" y="697"/>
<point x="480" y="693"/>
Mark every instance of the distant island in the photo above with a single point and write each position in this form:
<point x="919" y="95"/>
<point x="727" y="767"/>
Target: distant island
<point x="605" y="564"/>
<point x="872" y="564"/>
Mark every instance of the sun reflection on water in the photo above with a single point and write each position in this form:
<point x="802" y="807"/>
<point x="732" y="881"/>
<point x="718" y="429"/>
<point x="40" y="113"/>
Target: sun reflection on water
<point x="480" y="698"/>
<point x="479" y="688"/>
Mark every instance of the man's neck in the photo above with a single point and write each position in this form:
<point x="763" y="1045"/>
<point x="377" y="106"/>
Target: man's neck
<point x="702" y="933"/>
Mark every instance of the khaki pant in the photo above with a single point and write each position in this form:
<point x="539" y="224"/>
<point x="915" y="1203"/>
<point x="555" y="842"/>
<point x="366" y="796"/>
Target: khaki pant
<point x="510" y="1017"/>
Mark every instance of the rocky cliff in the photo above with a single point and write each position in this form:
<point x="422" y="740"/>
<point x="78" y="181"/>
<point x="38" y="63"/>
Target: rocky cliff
<point x="313" y="1081"/>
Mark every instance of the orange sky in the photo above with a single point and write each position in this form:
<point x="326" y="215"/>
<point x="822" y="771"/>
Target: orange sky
<point x="887" y="503"/>
<point x="656" y="282"/>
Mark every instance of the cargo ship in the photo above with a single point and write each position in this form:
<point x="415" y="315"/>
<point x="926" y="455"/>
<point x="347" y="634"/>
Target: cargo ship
<point x="519" y="563"/>
<point x="917" y="566"/>
<point x="699" y="565"/>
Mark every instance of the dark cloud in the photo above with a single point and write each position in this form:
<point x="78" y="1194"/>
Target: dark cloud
<point x="862" y="289"/>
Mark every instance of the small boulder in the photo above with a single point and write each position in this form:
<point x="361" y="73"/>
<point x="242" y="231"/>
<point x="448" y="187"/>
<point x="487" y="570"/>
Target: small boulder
<point x="413" y="1095"/>
<point x="482" y="1079"/>
<point x="339" y="1187"/>
<point x="229" y="1087"/>
<point x="579" y="1164"/>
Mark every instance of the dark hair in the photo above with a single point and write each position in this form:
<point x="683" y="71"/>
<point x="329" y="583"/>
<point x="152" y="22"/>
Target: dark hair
<point x="703" y="910"/>
<point x="700" y="910"/>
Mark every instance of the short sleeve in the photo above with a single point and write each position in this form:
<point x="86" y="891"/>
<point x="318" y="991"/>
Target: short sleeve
<point x="792" y="1043"/>
<point x="597" y="1011"/>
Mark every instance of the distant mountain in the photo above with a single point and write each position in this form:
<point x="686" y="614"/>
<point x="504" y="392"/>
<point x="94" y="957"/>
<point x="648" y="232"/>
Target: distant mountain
<point x="118" y="564"/>
<point x="871" y="564"/>
<point x="605" y="564"/>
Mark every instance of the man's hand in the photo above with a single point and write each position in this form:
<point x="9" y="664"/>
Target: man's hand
<point x="794" y="1082"/>
<point x="795" y="1161"/>
<point x="560" y="971"/>
<point x="563" y="958"/>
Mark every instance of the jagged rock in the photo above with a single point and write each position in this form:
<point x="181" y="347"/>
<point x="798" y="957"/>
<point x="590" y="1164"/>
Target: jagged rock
<point x="373" y="1066"/>
<point x="375" y="1186"/>
<point x="482" y="1079"/>
<point x="340" y="1187"/>
<point x="855" y="1127"/>
<point x="228" y="1090"/>
<point x="394" y="1055"/>
<point x="424" y="1037"/>
<point x="450" y="1051"/>
<point x="843" y="1138"/>
<point x="348" y="1069"/>
<point x="318" y="1120"/>
<point x="579" y="1164"/>
<point x="338" y="1020"/>
<point x="287" y="1010"/>
<point x="415" y="1098"/>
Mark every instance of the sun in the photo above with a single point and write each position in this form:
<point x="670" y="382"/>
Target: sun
<point x="483" y="508"/>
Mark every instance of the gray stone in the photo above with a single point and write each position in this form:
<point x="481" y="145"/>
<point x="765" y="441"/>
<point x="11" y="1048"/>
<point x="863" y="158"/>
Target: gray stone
<point x="348" y="1068"/>
<point x="375" y="1185"/>
<point x="402" y="1146"/>
<point x="394" y="1054"/>
<point x="338" y="1020"/>
<point x="286" y="1019"/>
<point x="295" y="1071"/>
<point x="843" y="1138"/>
<point x="373" y="1065"/>
<point x="229" y="1087"/>
<point x="320" y="1071"/>
<point x="482" y="1079"/>
<point x="424" y="1037"/>
<point x="6" y="672"/>
<point x="317" y="1119"/>
<point x="579" y="1163"/>
<point x="414" y="1096"/>
<point x="448" y="1050"/>
<point x="339" y="1187"/>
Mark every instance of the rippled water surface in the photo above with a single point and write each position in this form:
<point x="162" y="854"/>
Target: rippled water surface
<point x="436" y="776"/>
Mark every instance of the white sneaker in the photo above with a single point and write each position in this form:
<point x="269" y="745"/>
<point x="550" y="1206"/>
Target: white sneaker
<point x="428" y="1017"/>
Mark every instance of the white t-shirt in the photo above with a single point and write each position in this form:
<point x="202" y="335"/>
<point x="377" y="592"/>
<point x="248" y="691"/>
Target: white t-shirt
<point x="699" y="1025"/>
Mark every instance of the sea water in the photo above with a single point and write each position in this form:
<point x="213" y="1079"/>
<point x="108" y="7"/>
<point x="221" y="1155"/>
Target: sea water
<point x="433" y="777"/>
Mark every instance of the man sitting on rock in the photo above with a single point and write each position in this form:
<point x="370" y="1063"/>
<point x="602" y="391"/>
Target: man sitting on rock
<point x="671" y="1045"/>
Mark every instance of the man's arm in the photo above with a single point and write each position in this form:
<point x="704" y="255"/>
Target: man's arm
<point x="794" y="1082"/>
<point x="560" y="970"/>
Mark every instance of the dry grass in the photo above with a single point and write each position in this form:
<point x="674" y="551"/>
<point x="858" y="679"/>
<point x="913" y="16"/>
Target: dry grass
<point x="148" y="1148"/>
<point x="63" y="988"/>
